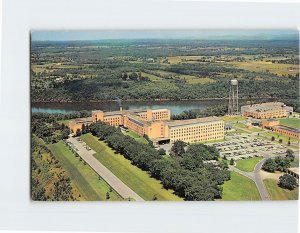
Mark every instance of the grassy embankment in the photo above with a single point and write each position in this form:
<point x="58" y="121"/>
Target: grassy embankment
<point x="248" y="165"/>
<point x="138" y="180"/>
<point x="277" y="193"/>
<point x="239" y="188"/>
<point x="85" y="178"/>
<point x="135" y="136"/>
<point x="291" y="122"/>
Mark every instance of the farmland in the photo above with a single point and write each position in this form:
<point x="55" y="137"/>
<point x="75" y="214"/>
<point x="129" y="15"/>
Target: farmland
<point x="162" y="70"/>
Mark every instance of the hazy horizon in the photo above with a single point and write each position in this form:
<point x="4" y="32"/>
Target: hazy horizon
<point x="86" y="35"/>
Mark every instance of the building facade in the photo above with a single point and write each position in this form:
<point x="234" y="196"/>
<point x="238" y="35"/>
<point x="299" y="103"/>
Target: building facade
<point x="267" y="110"/>
<point x="159" y="127"/>
<point x="287" y="131"/>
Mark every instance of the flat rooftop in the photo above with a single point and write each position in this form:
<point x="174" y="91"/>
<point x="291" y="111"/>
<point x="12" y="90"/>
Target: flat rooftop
<point x="176" y="123"/>
<point x="294" y="169"/>
<point x="265" y="106"/>
<point x="132" y="111"/>
<point x="82" y="120"/>
<point x="288" y="128"/>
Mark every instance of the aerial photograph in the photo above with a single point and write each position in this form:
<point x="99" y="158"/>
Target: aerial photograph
<point x="164" y="115"/>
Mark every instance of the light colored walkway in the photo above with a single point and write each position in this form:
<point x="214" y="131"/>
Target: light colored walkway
<point x="107" y="175"/>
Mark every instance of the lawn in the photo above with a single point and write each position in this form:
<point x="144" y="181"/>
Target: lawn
<point x="295" y="163"/>
<point x="233" y="119"/>
<point x="247" y="165"/>
<point x="84" y="177"/>
<point x="138" y="180"/>
<point x="269" y="134"/>
<point x="277" y="193"/>
<point x="134" y="135"/>
<point x="243" y="126"/>
<point x="263" y="66"/>
<point x="239" y="188"/>
<point x="291" y="122"/>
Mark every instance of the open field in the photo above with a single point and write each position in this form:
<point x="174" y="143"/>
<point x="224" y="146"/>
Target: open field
<point x="240" y="188"/>
<point x="188" y="78"/>
<point x="135" y="136"/>
<point x="243" y="126"/>
<point x="138" y="180"/>
<point x="247" y="165"/>
<point x="275" y="68"/>
<point x="233" y="119"/>
<point x="291" y="122"/>
<point x="85" y="179"/>
<point x="277" y="193"/>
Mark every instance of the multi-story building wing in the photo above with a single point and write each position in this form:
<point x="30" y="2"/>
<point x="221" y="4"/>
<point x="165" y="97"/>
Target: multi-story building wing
<point x="156" y="124"/>
<point x="196" y="130"/>
<point x="267" y="110"/>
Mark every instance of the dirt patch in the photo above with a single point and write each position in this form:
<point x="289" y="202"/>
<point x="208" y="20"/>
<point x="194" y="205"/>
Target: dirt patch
<point x="269" y="175"/>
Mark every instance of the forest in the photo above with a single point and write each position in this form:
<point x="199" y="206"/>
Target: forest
<point x="90" y="71"/>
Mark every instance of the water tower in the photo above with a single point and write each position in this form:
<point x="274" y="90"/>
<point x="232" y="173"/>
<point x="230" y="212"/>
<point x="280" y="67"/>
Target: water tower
<point x="233" y="107"/>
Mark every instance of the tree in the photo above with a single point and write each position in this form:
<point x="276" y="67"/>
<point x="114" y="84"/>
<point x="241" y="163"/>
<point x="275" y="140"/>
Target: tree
<point x="107" y="195"/>
<point x="231" y="161"/>
<point x="282" y="163"/>
<point x="290" y="155"/>
<point x="78" y="132"/>
<point x="134" y="76"/>
<point x="272" y="138"/>
<point x="269" y="165"/>
<point x="161" y="151"/>
<point x="287" y="182"/>
<point x="178" y="148"/>
<point x="154" y="198"/>
<point x="280" y="140"/>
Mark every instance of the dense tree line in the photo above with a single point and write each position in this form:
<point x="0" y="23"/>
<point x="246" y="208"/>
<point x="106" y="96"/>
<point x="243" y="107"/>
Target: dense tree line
<point x="279" y="163"/>
<point x="47" y="127"/>
<point x="185" y="172"/>
<point x="49" y="181"/>
<point x="218" y="110"/>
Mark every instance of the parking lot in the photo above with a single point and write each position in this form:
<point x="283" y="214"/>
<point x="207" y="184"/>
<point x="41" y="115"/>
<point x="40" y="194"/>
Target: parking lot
<point x="246" y="146"/>
<point x="80" y="141"/>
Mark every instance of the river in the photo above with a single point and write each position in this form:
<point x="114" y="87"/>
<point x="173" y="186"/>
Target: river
<point x="176" y="107"/>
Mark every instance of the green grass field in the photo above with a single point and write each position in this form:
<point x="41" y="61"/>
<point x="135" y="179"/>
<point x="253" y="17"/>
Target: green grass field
<point x="291" y="122"/>
<point x="239" y="188"/>
<point x="277" y="193"/>
<point x="135" y="178"/>
<point x="85" y="178"/>
<point x="247" y="165"/>
<point x="137" y="137"/>
<point x="295" y="163"/>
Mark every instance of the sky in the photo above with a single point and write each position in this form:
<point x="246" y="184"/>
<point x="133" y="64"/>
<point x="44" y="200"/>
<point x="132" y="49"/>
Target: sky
<point x="161" y="34"/>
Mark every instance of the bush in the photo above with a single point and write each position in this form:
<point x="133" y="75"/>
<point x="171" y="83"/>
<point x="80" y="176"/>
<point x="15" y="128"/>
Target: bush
<point x="287" y="182"/>
<point x="269" y="165"/>
<point x="161" y="151"/>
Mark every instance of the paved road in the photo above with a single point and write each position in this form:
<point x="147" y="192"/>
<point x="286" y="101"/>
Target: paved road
<point x="107" y="175"/>
<point x="259" y="182"/>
